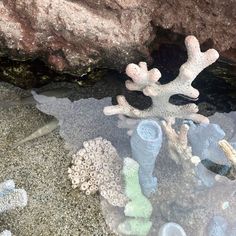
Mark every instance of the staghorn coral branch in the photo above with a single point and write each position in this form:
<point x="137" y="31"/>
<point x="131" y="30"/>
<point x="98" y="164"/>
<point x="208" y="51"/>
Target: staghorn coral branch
<point x="147" y="82"/>
<point x="97" y="167"/>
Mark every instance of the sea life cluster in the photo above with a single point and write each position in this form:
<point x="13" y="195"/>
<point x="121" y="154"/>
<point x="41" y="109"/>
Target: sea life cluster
<point x="124" y="170"/>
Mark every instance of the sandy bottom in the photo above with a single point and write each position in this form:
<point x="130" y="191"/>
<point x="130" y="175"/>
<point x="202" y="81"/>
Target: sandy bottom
<point x="40" y="167"/>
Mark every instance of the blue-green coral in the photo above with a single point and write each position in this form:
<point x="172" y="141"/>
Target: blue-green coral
<point x="139" y="209"/>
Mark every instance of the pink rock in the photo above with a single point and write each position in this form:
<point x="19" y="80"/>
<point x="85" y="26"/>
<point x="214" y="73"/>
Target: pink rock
<point x="74" y="35"/>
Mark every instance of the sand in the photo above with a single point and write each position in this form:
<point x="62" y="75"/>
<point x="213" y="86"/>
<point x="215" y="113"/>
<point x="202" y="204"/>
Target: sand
<point x="40" y="167"/>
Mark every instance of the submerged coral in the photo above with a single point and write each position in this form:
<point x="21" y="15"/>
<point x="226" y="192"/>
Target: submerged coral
<point x="146" y="142"/>
<point x="44" y="130"/>
<point x="180" y="151"/>
<point x="97" y="167"/>
<point x="171" y="229"/>
<point x="139" y="209"/>
<point x="217" y="226"/>
<point x="230" y="153"/>
<point x="6" y="233"/>
<point x="83" y="120"/>
<point x="204" y="140"/>
<point x="189" y="198"/>
<point x="147" y="82"/>
<point x="10" y="197"/>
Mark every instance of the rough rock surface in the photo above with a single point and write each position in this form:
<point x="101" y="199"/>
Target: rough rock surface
<point x="73" y="35"/>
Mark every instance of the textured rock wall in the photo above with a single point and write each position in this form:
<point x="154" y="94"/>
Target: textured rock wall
<point x="75" y="35"/>
<point x="213" y="20"/>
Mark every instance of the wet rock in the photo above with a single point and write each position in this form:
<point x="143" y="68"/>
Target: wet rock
<point x="74" y="35"/>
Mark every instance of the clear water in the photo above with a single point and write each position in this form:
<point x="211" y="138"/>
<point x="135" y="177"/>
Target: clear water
<point x="40" y="165"/>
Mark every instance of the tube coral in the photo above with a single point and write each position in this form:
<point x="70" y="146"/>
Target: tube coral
<point x="146" y="142"/>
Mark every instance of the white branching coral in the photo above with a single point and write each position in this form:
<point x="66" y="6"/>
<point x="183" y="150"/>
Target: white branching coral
<point x="98" y="167"/>
<point x="147" y="82"/>
<point x="10" y="197"/>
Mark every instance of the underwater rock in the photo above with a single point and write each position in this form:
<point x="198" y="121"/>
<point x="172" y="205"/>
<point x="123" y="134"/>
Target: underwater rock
<point x="146" y="142"/>
<point x="204" y="140"/>
<point x="10" y="197"/>
<point x="204" y="136"/>
<point x="171" y="229"/>
<point x="84" y="120"/>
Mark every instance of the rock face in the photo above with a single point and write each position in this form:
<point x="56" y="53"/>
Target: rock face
<point x="74" y="35"/>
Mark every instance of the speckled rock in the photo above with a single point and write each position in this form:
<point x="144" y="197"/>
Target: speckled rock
<point x="75" y="35"/>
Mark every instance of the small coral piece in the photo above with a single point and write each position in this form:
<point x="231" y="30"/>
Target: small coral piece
<point x="44" y="130"/>
<point x="145" y="143"/>
<point x="138" y="209"/>
<point x="97" y="167"/>
<point x="6" y="233"/>
<point x="178" y="147"/>
<point x="230" y="153"/>
<point x="135" y="226"/>
<point x="10" y="197"/>
<point x="147" y="82"/>
<point x="204" y="140"/>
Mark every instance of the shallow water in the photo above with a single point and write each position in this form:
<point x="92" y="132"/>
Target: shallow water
<point x="40" y="166"/>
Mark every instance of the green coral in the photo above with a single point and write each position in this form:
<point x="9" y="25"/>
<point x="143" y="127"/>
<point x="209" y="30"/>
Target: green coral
<point x="135" y="227"/>
<point x="139" y="209"/>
